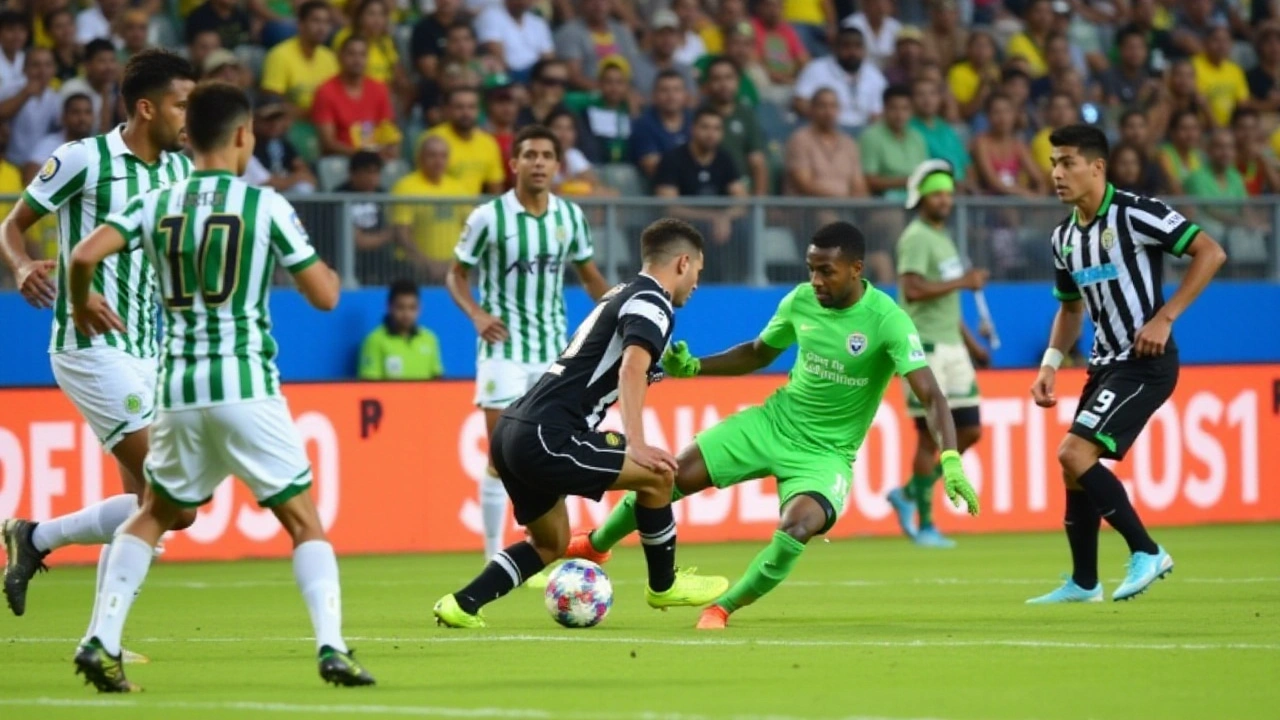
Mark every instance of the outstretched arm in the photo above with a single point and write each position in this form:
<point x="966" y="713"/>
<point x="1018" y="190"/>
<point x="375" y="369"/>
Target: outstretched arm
<point x="742" y="359"/>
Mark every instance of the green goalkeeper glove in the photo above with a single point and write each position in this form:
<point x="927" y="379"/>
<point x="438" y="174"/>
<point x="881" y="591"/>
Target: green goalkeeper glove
<point x="678" y="362"/>
<point x="956" y="484"/>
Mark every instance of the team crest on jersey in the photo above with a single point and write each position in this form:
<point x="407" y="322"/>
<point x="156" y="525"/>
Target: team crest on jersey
<point x="857" y="343"/>
<point x="50" y="169"/>
<point x="297" y="224"/>
<point x="562" y="235"/>
<point x="612" y="439"/>
<point x="1108" y="239"/>
<point x="133" y="403"/>
<point x="916" y="347"/>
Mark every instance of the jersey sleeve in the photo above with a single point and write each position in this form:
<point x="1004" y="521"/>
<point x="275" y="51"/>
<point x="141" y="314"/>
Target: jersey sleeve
<point x="62" y="176"/>
<point x="913" y="255"/>
<point x="1155" y="223"/>
<point x="780" y="333"/>
<point x="645" y="321"/>
<point x="289" y="240"/>
<point x="128" y="222"/>
<point x="476" y="236"/>
<point x="902" y="342"/>
<point x="1064" y="286"/>
<point x="581" y="248"/>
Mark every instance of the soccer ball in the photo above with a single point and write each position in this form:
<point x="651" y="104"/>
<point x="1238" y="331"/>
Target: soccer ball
<point x="579" y="594"/>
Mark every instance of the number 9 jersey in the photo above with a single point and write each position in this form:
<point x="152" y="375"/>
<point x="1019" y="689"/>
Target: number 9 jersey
<point x="214" y="241"/>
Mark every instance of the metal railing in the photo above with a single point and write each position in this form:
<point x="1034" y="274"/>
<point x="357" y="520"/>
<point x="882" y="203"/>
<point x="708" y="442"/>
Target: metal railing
<point x="373" y="239"/>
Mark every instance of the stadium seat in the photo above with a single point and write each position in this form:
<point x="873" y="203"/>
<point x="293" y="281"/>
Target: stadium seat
<point x="623" y="177"/>
<point x="252" y="57"/>
<point x="779" y="245"/>
<point x="331" y="172"/>
<point x="776" y="123"/>
<point x="393" y="171"/>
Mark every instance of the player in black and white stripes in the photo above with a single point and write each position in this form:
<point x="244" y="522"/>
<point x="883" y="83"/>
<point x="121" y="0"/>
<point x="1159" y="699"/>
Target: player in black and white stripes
<point x="1108" y="259"/>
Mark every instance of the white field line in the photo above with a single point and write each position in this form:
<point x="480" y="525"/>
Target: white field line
<point x="604" y="639"/>
<point x="422" y="582"/>
<point x="395" y="710"/>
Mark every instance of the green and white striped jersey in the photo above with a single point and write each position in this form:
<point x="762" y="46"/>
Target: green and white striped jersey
<point x="214" y="241"/>
<point x="84" y="182"/>
<point x="521" y="261"/>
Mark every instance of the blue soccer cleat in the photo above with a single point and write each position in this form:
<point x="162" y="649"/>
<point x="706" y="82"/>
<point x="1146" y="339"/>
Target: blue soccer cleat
<point x="931" y="538"/>
<point x="905" y="508"/>
<point x="1070" y="592"/>
<point x="1144" y="569"/>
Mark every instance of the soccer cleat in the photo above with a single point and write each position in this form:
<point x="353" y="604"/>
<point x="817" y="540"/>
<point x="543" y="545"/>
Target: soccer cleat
<point x="689" y="590"/>
<point x="99" y="668"/>
<point x="580" y="547"/>
<point x="342" y="669"/>
<point x="930" y="537"/>
<point x="905" y="508"/>
<point x="22" y="562"/>
<point x="449" y="614"/>
<point x="713" y="618"/>
<point x="1144" y="569"/>
<point x="1070" y="592"/>
<point x="540" y="580"/>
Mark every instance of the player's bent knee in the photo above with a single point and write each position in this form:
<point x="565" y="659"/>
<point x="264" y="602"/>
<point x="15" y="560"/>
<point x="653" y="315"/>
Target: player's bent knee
<point x="186" y="519"/>
<point x="1076" y="455"/>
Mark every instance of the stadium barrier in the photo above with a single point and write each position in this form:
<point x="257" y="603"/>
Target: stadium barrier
<point x="397" y="464"/>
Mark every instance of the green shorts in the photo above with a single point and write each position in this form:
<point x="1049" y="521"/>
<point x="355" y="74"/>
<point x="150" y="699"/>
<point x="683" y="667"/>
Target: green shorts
<point x="748" y="445"/>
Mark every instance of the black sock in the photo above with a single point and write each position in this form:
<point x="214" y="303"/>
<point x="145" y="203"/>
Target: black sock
<point x="506" y="571"/>
<point x="657" y="528"/>
<point x="1082" y="522"/>
<point x="1108" y="495"/>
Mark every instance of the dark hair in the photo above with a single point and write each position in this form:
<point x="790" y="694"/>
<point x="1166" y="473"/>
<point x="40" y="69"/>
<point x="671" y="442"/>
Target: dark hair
<point x="364" y="5"/>
<point x="993" y="98"/>
<point x="350" y="39"/>
<point x="9" y="18"/>
<point x="1132" y="112"/>
<point x="149" y="73"/>
<point x="664" y="237"/>
<point x="464" y="25"/>
<point x="363" y="160"/>
<point x="1178" y="115"/>
<point x="850" y="30"/>
<point x="555" y="115"/>
<point x="717" y="60"/>
<point x="842" y="236"/>
<point x="1242" y="113"/>
<point x="704" y="111"/>
<point x="66" y="102"/>
<point x="536" y="132"/>
<point x="539" y="67"/>
<point x="98" y="46"/>
<point x="64" y="10"/>
<point x="1061" y="94"/>
<point x="213" y="112"/>
<point x="1129" y="31"/>
<point x="403" y="286"/>
<point x="896" y="90"/>
<point x="668" y="74"/>
<point x="1090" y="141"/>
<point x="448" y="97"/>
<point x="1014" y="74"/>
<point x="311" y="6"/>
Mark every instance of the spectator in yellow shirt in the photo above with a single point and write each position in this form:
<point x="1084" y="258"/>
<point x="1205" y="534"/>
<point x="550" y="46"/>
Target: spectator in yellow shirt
<point x="814" y="21"/>
<point x="1062" y="111"/>
<point x="1218" y="79"/>
<point x="475" y="159"/>
<point x="371" y="23"/>
<point x="1029" y="44"/>
<point x="976" y="76"/>
<point x="428" y="231"/>
<point x="296" y="67"/>
<point x="400" y="348"/>
<point x="728" y="15"/>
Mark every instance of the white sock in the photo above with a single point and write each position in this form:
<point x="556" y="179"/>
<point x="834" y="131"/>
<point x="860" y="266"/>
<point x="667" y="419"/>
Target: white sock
<point x="127" y="566"/>
<point x="92" y="525"/>
<point x="493" y="510"/>
<point x="103" y="557"/>
<point x="316" y="569"/>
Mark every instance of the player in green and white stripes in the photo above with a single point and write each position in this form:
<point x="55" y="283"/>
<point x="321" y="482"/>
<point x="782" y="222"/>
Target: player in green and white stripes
<point x="111" y="378"/>
<point x="519" y="244"/>
<point x="214" y="241"/>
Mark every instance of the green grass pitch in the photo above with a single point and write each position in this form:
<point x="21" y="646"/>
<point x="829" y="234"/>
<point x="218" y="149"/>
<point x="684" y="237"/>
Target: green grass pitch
<point x="871" y="628"/>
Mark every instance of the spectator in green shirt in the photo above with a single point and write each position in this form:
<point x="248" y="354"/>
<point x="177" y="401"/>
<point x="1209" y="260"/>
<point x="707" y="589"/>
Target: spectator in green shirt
<point x="743" y="138"/>
<point x="1240" y="227"/>
<point x="941" y="140"/>
<point x="891" y="149"/>
<point x="400" y="349"/>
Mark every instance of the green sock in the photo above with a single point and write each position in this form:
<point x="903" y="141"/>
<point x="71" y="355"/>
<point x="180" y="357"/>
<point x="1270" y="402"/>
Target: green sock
<point x="620" y="523"/>
<point x="922" y="492"/>
<point x="769" y="568"/>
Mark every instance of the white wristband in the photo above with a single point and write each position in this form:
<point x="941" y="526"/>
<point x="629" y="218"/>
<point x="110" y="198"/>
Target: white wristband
<point x="1052" y="358"/>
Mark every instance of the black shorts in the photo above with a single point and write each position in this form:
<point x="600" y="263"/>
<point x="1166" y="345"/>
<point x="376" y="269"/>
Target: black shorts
<point x="1119" y="399"/>
<point x="539" y="464"/>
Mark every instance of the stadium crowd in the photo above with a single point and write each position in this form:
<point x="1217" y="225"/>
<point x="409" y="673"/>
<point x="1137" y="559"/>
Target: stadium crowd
<point x="816" y="98"/>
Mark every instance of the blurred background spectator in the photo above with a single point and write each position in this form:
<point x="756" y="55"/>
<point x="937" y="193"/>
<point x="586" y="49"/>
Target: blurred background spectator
<point x="400" y="348"/>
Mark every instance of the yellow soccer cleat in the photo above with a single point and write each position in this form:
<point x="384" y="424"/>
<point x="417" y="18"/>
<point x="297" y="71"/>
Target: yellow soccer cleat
<point x="539" y="581"/>
<point x="450" y="614"/>
<point x="689" y="590"/>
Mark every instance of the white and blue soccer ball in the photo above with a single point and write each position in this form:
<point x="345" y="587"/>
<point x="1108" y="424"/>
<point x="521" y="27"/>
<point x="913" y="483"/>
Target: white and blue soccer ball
<point x="579" y="594"/>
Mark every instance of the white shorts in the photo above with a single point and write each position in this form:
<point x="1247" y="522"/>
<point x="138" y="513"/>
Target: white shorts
<point x="193" y="451"/>
<point x="114" y="391"/>
<point x="501" y="382"/>
<point x="954" y="371"/>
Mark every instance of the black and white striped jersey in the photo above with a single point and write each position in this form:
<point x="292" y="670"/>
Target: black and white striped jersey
<point x="1115" y="264"/>
<point x="582" y="383"/>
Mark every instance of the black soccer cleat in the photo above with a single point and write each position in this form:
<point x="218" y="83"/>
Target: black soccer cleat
<point x="342" y="669"/>
<point x="101" y="669"/>
<point x="22" y="562"/>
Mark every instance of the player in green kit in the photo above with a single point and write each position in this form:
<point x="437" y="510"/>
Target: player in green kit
<point x="852" y="340"/>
